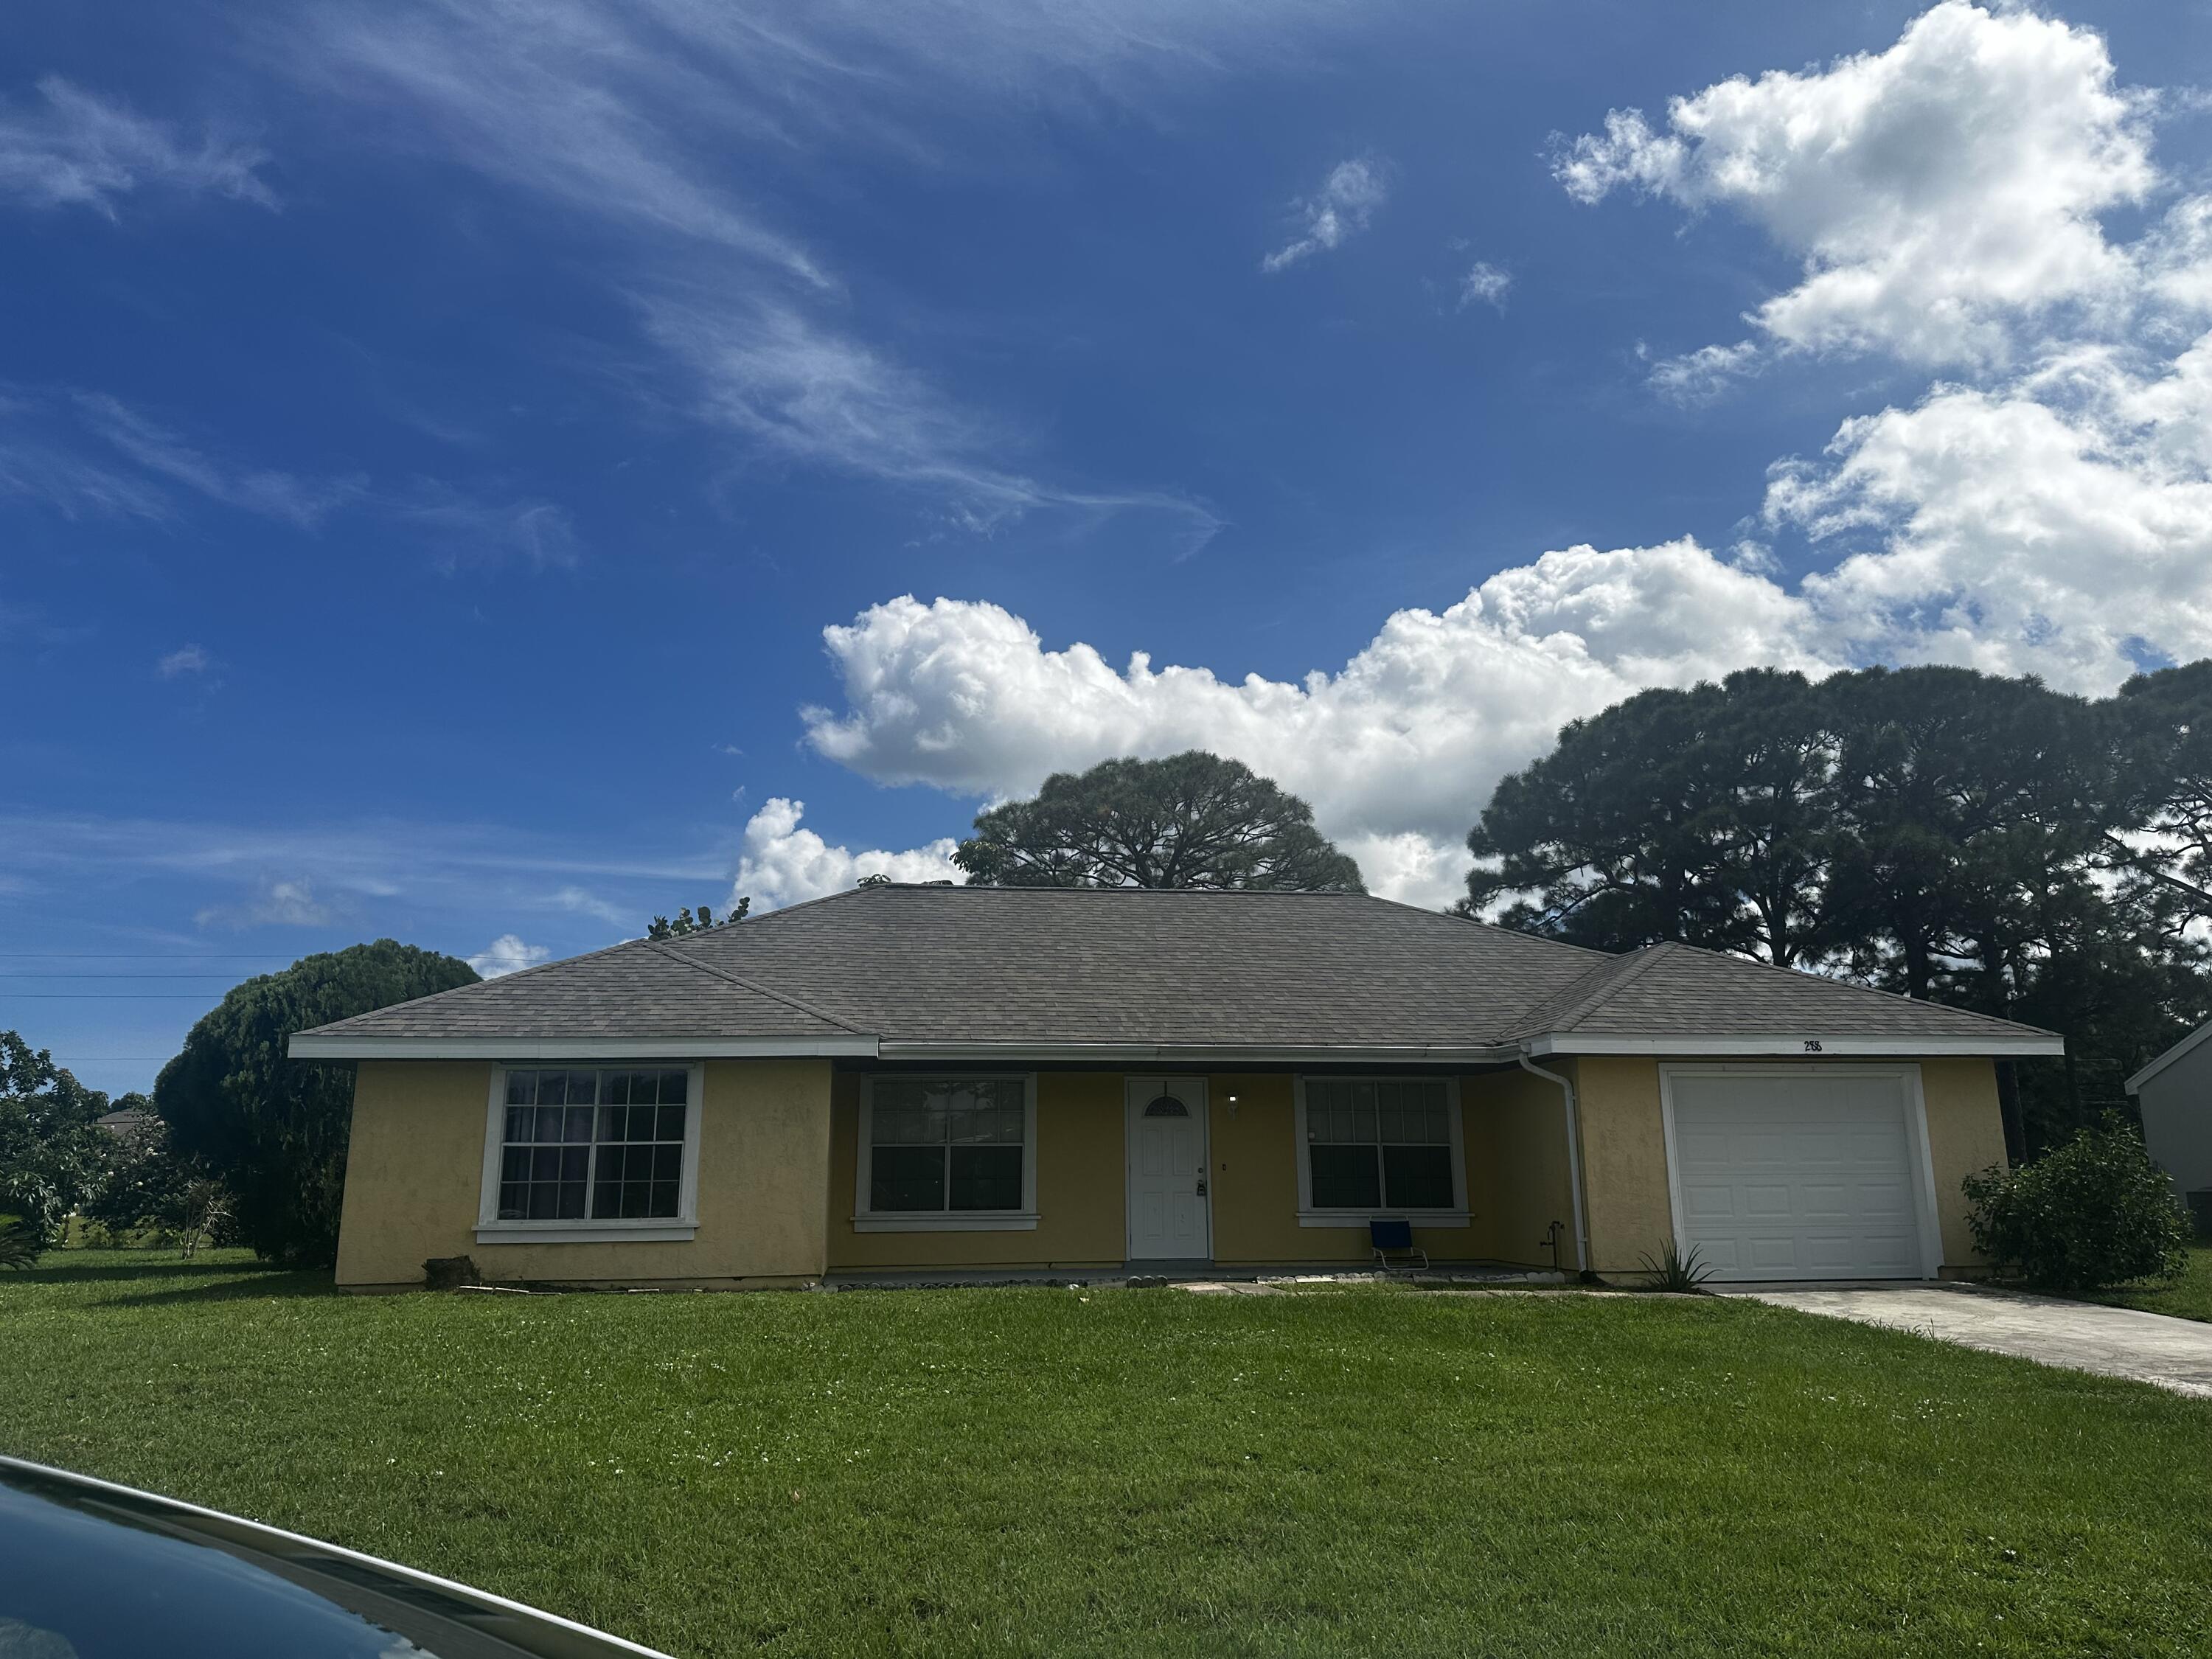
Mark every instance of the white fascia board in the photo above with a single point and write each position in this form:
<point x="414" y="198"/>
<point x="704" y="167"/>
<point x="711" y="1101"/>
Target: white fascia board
<point x="2188" y="1045"/>
<point x="1897" y="1047"/>
<point x="1166" y="1055"/>
<point x="308" y="1046"/>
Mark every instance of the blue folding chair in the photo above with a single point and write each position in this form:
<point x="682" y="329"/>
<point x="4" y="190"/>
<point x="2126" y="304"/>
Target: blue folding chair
<point x="1394" y="1244"/>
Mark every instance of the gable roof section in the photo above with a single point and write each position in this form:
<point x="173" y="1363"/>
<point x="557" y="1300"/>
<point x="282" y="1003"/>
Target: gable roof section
<point x="609" y="1001"/>
<point x="1672" y="997"/>
<point x="2187" y="1046"/>
<point x="929" y="972"/>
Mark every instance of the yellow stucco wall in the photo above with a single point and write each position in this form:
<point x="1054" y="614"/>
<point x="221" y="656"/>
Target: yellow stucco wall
<point x="1624" y="1150"/>
<point x="778" y="1140"/>
<point x="1524" y="1120"/>
<point x="1515" y="1161"/>
<point x="415" y="1165"/>
<point x="1965" y="1133"/>
<point x="1080" y="1215"/>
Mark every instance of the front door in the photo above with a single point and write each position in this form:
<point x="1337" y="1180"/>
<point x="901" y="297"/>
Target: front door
<point x="1168" y="1218"/>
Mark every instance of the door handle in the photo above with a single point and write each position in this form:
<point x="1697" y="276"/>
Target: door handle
<point x="1201" y="1183"/>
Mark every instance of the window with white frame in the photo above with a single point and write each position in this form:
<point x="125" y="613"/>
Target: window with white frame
<point x="601" y="1143"/>
<point x="1381" y="1144"/>
<point x="945" y="1147"/>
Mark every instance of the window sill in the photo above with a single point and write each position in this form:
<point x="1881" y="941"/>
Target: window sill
<point x="1361" y="1217"/>
<point x="995" y="1221"/>
<point x="585" y="1232"/>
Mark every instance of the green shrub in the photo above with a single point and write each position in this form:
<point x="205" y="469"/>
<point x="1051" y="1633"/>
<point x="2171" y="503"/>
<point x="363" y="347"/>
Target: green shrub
<point x="21" y="1243"/>
<point x="271" y="1129"/>
<point x="2091" y="1213"/>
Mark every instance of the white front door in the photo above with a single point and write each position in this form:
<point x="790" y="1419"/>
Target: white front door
<point x="1169" y="1218"/>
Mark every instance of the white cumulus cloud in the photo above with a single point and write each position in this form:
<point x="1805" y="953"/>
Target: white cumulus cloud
<point x="783" y="864"/>
<point x="2059" y="525"/>
<point x="1341" y="207"/>
<point x="184" y="659"/>
<point x="1396" y="751"/>
<point x="507" y="954"/>
<point x="1940" y="192"/>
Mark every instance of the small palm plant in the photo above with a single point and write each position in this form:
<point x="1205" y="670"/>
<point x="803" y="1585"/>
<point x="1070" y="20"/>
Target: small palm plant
<point x="1684" y="1275"/>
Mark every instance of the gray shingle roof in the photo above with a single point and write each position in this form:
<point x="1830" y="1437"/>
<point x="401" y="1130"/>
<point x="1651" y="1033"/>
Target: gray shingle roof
<point x="1062" y="967"/>
<point x="638" y="989"/>
<point x="1679" y="990"/>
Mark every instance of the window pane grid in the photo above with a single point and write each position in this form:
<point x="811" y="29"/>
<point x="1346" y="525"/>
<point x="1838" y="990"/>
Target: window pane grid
<point x="606" y="1144"/>
<point x="1382" y="1143"/>
<point x="946" y="1144"/>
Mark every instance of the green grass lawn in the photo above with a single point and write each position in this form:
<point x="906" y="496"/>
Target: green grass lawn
<point x="1022" y="1471"/>
<point x="2189" y="1297"/>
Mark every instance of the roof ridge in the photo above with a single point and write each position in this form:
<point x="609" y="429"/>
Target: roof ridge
<point x="789" y="1001"/>
<point x="1611" y="976"/>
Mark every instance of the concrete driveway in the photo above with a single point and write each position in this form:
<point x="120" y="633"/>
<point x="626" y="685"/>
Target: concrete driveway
<point x="2155" y="1348"/>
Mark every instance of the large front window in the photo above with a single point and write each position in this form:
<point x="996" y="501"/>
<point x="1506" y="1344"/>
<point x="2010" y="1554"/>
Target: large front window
<point x="1381" y="1144"/>
<point x="602" y="1145"/>
<point x="945" y="1147"/>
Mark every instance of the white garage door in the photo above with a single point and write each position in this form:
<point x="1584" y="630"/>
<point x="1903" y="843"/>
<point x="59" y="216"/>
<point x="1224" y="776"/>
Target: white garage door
<point x="1812" y="1174"/>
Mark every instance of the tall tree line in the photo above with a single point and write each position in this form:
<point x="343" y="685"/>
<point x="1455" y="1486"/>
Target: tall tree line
<point x="1965" y="837"/>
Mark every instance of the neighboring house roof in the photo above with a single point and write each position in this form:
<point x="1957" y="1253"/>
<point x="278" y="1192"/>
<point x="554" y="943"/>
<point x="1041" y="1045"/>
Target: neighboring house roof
<point x="931" y="971"/>
<point x="2187" y="1046"/>
<point x="125" y="1121"/>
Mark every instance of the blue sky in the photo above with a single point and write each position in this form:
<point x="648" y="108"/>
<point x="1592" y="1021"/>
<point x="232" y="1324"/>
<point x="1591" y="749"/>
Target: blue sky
<point x="435" y="441"/>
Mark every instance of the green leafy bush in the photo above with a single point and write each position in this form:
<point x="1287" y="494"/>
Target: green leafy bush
<point x="21" y="1243"/>
<point x="270" y="1129"/>
<point x="2091" y="1213"/>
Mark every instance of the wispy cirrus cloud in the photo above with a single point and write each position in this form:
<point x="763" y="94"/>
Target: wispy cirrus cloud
<point x="296" y="499"/>
<point x="88" y="453"/>
<point x="279" y="903"/>
<point x="776" y="376"/>
<point x="639" y="124"/>
<point x="1485" y="284"/>
<point x="1343" y="205"/>
<point x="72" y="148"/>
<point x="184" y="659"/>
<point x="244" y="875"/>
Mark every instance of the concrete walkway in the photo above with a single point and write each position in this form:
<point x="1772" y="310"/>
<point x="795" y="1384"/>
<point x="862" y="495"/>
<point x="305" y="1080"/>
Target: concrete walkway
<point x="2155" y="1348"/>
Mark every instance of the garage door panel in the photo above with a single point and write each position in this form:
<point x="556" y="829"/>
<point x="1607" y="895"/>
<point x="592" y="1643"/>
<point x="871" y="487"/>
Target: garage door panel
<point x="1783" y="1177"/>
<point x="1709" y="1203"/>
<point x="1710" y="1148"/>
<point x="1834" y="1256"/>
<point x="1764" y="1202"/>
<point x="1882" y="1202"/>
<point x="1823" y="1201"/>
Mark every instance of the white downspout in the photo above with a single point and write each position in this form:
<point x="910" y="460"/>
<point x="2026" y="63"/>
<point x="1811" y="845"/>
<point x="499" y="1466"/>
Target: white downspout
<point x="1574" y="1156"/>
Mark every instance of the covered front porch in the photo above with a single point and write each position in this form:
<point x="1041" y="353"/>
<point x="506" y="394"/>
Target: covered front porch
<point x="1090" y="1171"/>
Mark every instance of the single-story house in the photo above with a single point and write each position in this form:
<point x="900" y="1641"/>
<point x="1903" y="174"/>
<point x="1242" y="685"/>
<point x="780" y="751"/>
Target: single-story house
<point x="910" y="1077"/>
<point x="2174" y="1094"/>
